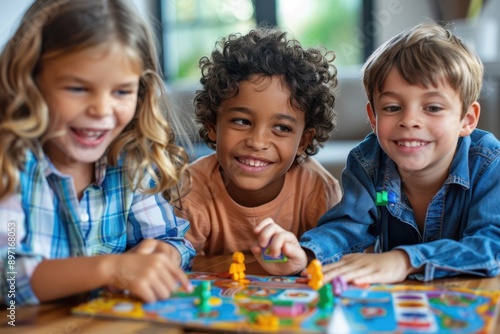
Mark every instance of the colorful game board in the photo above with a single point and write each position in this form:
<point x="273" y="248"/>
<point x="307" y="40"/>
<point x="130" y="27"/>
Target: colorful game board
<point x="289" y="305"/>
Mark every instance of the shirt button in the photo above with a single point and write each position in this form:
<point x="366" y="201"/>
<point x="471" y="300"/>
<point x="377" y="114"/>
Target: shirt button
<point x="84" y="217"/>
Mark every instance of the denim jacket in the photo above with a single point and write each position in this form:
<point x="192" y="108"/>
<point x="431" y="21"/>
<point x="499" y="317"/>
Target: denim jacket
<point x="462" y="225"/>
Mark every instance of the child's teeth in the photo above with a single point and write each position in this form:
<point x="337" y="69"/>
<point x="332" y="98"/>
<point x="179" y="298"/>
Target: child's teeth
<point x="410" y="143"/>
<point x="254" y="163"/>
<point x="92" y="134"/>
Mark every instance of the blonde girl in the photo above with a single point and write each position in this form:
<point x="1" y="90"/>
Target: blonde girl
<point x="87" y="157"/>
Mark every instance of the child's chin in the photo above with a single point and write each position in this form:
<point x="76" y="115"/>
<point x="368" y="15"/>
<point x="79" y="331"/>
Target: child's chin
<point x="87" y="155"/>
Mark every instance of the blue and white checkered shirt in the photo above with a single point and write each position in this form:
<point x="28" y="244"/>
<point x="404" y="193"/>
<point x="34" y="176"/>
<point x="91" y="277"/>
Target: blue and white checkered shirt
<point x="47" y="221"/>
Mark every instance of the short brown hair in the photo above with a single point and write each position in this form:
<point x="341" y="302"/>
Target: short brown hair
<point x="423" y="55"/>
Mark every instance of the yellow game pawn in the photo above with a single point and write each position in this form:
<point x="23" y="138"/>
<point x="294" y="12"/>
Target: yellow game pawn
<point x="267" y="322"/>
<point x="237" y="268"/>
<point x="315" y="274"/>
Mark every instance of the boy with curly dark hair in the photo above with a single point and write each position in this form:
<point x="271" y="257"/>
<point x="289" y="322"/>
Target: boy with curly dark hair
<point x="266" y="105"/>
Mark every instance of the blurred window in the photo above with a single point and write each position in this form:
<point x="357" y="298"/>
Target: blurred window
<point x="331" y="23"/>
<point x="190" y="28"/>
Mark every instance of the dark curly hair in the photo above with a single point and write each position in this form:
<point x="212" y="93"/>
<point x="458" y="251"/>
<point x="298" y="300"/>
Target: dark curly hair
<point x="308" y="73"/>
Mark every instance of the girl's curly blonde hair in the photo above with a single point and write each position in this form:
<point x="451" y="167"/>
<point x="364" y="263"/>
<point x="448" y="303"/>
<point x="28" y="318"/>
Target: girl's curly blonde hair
<point x="54" y="27"/>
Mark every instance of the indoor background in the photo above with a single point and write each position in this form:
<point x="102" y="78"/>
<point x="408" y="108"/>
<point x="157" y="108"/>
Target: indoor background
<point x="188" y="29"/>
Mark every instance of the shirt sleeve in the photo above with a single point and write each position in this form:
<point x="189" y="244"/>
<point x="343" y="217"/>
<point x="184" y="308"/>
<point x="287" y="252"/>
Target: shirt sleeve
<point x="199" y="228"/>
<point x="345" y="228"/>
<point x="151" y="216"/>
<point x="333" y="192"/>
<point x="17" y="261"/>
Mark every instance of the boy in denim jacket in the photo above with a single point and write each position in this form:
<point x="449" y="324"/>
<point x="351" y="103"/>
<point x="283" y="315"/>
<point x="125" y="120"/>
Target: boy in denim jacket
<point x="425" y="151"/>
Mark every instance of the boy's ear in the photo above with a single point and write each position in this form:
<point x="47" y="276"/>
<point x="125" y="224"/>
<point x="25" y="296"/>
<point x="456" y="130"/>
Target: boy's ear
<point x="306" y="139"/>
<point x="371" y="117"/>
<point x="211" y="131"/>
<point x="469" y="122"/>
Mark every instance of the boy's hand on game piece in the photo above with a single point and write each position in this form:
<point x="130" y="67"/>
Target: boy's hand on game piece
<point x="361" y="268"/>
<point x="279" y="241"/>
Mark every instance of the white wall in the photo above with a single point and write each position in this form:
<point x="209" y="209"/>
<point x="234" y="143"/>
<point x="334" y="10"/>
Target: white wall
<point x="10" y="15"/>
<point x="492" y="10"/>
<point x="393" y="16"/>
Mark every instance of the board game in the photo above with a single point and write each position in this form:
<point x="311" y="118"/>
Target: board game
<point x="260" y="304"/>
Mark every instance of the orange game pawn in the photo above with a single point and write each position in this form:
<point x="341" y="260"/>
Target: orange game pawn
<point x="237" y="268"/>
<point x="315" y="274"/>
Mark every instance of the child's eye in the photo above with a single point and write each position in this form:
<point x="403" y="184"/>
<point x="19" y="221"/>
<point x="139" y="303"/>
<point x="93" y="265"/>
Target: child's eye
<point x="433" y="108"/>
<point x="240" y="121"/>
<point x="123" y="92"/>
<point x="75" y="89"/>
<point x="283" y="128"/>
<point x="392" y="108"/>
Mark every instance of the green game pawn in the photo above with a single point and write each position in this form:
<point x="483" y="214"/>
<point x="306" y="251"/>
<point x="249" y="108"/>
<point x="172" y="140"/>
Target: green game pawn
<point x="204" y="294"/>
<point x="326" y="298"/>
<point x="382" y="198"/>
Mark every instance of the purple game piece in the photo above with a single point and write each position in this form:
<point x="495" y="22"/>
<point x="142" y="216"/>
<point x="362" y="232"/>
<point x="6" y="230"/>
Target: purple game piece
<point x="339" y="285"/>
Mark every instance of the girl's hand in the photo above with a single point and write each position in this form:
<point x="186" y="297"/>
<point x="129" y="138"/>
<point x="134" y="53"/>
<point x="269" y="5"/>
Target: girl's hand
<point x="146" y="272"/>
<point x="149" y="272"/>
<point x="279" y="242"/>
<point x="361" y="268"/>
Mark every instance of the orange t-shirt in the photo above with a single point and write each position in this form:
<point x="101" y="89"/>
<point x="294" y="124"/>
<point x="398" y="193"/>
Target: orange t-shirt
<point x="219" y="225"/>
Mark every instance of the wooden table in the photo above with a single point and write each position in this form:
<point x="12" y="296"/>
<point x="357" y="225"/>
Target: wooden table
<point x="56" y="317"/>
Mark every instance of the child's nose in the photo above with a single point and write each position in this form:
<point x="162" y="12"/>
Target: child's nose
<point x="409" y="118"/>
<point x="258" y="139"/>
<point x="100" y="106"/>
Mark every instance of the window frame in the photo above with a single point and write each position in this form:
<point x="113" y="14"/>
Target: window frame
<point x="265" y="12"/>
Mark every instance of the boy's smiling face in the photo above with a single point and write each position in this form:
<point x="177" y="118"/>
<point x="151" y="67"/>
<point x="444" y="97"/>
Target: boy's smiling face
<point x="258" y="135"/>
<point x="419" y="127"/>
